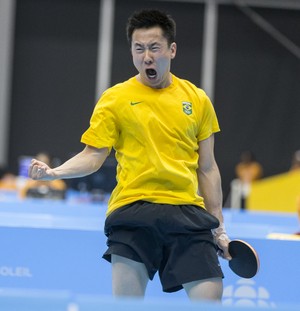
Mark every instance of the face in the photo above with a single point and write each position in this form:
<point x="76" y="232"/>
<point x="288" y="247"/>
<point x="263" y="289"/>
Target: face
<point x="152" y="57"/>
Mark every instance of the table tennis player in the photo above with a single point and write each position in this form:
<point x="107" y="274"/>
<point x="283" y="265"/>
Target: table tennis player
<point x="165" y="214"/>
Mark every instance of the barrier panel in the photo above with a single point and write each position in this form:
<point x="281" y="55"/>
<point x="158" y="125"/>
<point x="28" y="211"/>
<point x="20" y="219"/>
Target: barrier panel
<point x="53" y="251"/>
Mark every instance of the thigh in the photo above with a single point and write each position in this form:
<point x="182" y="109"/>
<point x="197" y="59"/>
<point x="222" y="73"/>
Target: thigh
<point x="208" y="289"/>
<point x="129" y="277"/>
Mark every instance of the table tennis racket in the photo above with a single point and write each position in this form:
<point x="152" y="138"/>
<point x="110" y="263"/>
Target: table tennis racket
<point x="245" y="260"/>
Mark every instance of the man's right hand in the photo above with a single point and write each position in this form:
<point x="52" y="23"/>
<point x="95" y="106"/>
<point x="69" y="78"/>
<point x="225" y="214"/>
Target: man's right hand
<point x="40" y="171"/>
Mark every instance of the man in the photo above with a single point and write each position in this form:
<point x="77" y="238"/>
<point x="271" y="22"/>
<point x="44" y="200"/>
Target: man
<point x="162" y="129"/>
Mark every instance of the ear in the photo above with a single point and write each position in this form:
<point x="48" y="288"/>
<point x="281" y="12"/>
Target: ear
<point x="173" y="48"/>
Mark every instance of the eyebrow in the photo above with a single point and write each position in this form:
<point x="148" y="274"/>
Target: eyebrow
<point x="137" y="44"/>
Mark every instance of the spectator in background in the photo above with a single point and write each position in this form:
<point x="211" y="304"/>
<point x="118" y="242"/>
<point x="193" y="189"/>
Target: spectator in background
<point x="7" y="180"/>
<point x="53" y="189"/>
<point x="247" y="171"/>
<point x="295" y="165"/>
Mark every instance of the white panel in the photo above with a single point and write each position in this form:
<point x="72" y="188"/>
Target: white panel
<point x="7" y="12"/>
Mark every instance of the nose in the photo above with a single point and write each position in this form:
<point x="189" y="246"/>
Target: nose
<point x="148" y="57"/>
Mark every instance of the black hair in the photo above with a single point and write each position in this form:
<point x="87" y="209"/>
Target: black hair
<point x="248" y="156"/>
<point x="149" y="18"/>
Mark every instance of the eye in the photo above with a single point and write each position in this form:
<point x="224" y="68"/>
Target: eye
<point x="155" y="48"/>
<point x="139" y="49"/>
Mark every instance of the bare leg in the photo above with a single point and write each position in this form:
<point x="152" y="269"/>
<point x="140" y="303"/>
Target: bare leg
<point x="129" y="278"/>
<point x="208" y="289"/>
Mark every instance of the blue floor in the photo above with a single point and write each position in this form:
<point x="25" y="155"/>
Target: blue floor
<point x="51" y="260"/>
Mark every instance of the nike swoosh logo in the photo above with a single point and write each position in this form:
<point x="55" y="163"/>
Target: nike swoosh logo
<point x="135" y="103"/>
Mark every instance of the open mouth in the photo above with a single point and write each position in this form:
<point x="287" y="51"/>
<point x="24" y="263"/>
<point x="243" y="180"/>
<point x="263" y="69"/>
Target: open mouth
<point x="151" y="73"/>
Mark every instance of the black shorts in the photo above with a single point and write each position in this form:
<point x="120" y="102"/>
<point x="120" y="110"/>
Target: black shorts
<point x="175" y="240"/>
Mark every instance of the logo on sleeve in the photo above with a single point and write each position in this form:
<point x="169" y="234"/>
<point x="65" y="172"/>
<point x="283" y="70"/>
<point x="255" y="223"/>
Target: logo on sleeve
<point x="187" y="108"/>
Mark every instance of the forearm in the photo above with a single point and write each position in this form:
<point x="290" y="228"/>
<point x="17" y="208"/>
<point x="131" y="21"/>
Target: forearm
<point x="84" y="163"/>
<point x="210" y="189"/>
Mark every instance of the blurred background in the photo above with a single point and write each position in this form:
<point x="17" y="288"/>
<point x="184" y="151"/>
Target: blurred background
<point x="57" y="56"/>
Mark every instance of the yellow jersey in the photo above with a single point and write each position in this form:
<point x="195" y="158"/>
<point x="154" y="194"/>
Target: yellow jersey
<point x="155" y="133"/>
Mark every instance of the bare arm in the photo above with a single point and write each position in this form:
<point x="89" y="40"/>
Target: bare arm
<point x="88" y="161"/>
<point x="209" y="180"/>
